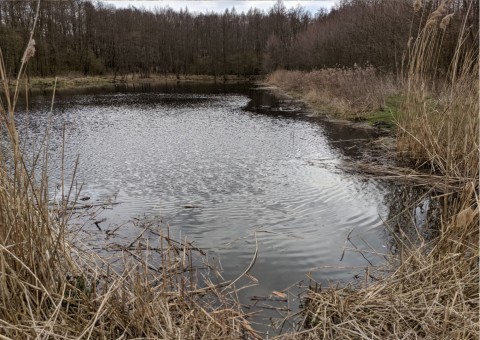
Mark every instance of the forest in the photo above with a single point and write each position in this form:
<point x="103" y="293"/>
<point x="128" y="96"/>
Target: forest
<point x="94" y="38"/>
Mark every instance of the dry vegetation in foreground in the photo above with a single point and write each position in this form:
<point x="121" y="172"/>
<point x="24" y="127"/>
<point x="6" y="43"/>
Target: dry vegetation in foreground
<point x="52" y="289"/>
<point x="433" y="291"/>
<point x="351" y="93"/>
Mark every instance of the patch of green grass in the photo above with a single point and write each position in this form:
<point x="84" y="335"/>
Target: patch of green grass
<point x="388" y="114"/>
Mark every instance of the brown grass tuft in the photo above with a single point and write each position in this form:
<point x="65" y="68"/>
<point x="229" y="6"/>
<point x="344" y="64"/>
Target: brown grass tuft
<point x="439" y="125"/>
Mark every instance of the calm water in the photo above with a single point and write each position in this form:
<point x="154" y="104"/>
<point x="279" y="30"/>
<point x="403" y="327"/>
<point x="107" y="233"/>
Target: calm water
<point x="247" y="162"/>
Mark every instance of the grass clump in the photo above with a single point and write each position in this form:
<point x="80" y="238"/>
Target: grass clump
<point x="351" y="93"/>
<point x="389" y="114"/>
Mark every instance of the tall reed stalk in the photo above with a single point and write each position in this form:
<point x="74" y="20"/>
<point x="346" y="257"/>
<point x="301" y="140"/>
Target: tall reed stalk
<point x="439" y="123"/>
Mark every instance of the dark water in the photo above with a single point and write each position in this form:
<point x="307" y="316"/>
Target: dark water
<point x="221" y="164"/>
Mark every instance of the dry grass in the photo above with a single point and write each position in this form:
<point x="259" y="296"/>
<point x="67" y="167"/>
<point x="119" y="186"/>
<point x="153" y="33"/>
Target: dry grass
<point x="433" y="289"/>
<point x="439" y="125"/>
<point x="345" y="92"/>
<point x="51" y="288"/>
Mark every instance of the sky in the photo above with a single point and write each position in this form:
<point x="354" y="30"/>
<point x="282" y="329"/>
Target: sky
<point x="220" y="5"/>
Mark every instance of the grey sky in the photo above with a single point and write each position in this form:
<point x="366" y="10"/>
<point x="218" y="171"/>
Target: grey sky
<point x="220" y="5"/>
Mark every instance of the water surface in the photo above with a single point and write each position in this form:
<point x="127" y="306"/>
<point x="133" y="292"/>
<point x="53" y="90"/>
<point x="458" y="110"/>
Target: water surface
<point x="223" y="165"/>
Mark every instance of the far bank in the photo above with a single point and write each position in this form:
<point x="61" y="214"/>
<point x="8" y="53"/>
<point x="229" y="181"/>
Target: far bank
<point x="353" y="94"/>
<point x="72" y="81"/>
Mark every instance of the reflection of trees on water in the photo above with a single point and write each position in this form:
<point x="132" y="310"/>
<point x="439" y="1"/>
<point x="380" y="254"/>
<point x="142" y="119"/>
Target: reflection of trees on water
<point x="413" y="216"/>
<point x="262" y="101"/>
<point x="267" y="102"/>
<point x="350" y="140"/>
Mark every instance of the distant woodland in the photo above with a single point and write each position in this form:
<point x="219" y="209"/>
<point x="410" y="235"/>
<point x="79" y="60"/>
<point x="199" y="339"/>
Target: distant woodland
<point x="92" y="38"/>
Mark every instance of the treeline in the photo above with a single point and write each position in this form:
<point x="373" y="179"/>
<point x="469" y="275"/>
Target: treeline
<point x="78" y="35"/>
<point x="378" y="32"/>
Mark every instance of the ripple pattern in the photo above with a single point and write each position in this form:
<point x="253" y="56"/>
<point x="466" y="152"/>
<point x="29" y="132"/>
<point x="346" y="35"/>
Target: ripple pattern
<point x="243" y="173"/>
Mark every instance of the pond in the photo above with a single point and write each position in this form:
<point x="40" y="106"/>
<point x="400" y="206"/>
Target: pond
<point x="227" y="166"/>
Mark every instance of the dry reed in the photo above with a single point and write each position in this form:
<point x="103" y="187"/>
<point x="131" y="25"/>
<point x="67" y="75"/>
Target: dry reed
<point x="51" y="288"/>
<point x="439" y="122"/>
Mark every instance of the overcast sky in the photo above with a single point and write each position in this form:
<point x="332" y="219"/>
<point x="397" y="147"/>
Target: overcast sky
<point x="220" y="5"/>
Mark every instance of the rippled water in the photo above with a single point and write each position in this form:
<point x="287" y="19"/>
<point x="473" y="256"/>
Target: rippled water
<point x="220" y="164"/>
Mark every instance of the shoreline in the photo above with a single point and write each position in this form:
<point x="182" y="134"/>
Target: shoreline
<point x="383" y="142"/>
<point x="403" y="280"/>
<point x="78" y="81"/>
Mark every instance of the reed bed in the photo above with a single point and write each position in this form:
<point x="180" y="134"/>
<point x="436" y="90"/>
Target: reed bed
<point x="433" y="289"/>
<point x="439" y="122"/>
<point x="345" y="92"/>
<point x="405" y="176"/>
<point x="53" y="288"/>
